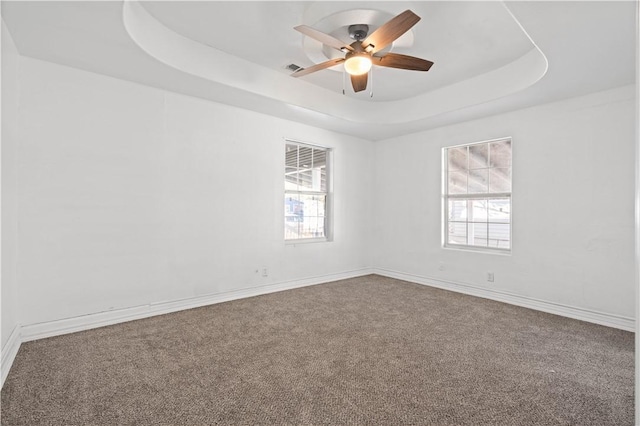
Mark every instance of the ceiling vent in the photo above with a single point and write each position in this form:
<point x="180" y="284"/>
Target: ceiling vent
<point x="293" y="67"/>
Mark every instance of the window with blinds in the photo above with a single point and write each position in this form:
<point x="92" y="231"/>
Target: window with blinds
<point x="306" y="192"/>
<point x="477" y="195"/>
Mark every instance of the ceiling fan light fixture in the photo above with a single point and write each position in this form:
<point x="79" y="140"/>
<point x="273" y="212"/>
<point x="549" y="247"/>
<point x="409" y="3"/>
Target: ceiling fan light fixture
<point x="358" y="64"/>
<point x="359" y="55"/>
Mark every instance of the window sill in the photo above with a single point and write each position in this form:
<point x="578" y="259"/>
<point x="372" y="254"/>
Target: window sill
<point x="306" y="241"/>
<point x="482" y="250"/>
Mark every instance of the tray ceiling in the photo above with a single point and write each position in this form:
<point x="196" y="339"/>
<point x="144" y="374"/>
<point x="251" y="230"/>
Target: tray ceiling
<point x="489" y="56"/>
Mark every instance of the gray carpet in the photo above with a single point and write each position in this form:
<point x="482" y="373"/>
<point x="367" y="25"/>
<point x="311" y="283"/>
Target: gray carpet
<point x="369" y="350"/>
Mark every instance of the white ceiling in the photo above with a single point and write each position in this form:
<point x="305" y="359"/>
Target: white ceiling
<point x="489" y="56"/>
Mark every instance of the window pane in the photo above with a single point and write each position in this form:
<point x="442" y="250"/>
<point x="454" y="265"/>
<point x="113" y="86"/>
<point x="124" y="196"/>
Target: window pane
<point x="478" y="156"/>
<point x="458" y="210"/>
<point x="291" y="156"/>
<point x="304" y="216"/>
<point x="457" y="233"/>
<point x="293" y="216"/>
<point x="478" y="181"/>
<point x="291" y="167"/>
<point x="500" y="210"/>
<point x="305" y="179"/>
<point x="477" y="234"/>
<point x="457" y="158"/>
<point x="312" y="165"/>
<point x="500" y="154"/>
<point x="313" y="207"/>
<point x="323" y="179"/>
<point x="477" y="210"/>
<point x="457" y="183"/>
<point x="291" y="178"/>
<point x="319" y="158"/>
<point x="320" y="166"/>
<point x="500" y="180"/>
<point x="499" y="235"/>
<point x="305" y="157"/>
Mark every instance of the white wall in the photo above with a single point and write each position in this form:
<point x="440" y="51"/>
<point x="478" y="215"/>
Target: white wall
<point x="130" y="195"/>
<point x="9" y="213"/>
<point x="573" y="204"/>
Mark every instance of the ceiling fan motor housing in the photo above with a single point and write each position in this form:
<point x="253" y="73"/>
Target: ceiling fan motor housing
<point x="358" y="32"/>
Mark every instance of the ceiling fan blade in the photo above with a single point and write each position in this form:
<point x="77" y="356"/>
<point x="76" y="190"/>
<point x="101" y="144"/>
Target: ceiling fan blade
<point x="317" y="67"/>
<point x="323" y="38"/>
<point x="405" y="62"/>
<point x="359" y="82"/>
<point x="390" y="31"/>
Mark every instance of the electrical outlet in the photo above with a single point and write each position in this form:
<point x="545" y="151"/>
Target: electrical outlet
<point x="490" y="277"/>
<point x="441" y="266"/>
<point x="265" y="271"/>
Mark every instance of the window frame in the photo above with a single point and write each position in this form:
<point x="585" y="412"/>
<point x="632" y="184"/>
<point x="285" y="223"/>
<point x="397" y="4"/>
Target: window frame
<point x="474" y="196"/>
<point x="328" y="194"/>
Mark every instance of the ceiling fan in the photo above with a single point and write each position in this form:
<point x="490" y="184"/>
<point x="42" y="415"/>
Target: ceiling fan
<point x="361" y="54"/>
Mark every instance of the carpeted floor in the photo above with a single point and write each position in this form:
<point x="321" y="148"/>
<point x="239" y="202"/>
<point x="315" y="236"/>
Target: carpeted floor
<point x="369" y="350"/>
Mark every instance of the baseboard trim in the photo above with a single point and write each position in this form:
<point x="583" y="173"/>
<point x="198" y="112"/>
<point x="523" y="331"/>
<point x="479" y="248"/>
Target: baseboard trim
<point x="9" y="352"/>
<point x="102" y="319"/>
<point x="601" y="318"/>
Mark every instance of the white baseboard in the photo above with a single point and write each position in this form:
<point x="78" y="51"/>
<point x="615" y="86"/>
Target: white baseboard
<point x="86" y="322"/>
<point x="609" y="320"/>
<point x="9" y="352"/>
<point x="101" y="319"/>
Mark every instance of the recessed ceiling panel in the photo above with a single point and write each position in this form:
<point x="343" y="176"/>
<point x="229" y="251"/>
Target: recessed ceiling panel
<point x="463" y="39"/>
<point x="236" y="52"/>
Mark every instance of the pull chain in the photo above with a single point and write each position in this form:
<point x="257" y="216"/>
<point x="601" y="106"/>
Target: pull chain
<point x="371" y="83"/>
<point x="344" y="75"/>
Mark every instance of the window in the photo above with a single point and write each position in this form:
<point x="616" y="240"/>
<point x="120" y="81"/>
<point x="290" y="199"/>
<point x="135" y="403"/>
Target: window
<point x="306" y="192"/>
<point x="477" y="195"/>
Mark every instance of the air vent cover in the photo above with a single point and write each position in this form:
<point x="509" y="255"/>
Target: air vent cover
<point x="293" y="67"/>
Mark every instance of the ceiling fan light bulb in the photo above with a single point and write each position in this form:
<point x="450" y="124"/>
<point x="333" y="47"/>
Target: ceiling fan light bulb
<point x="357" y="65"/>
